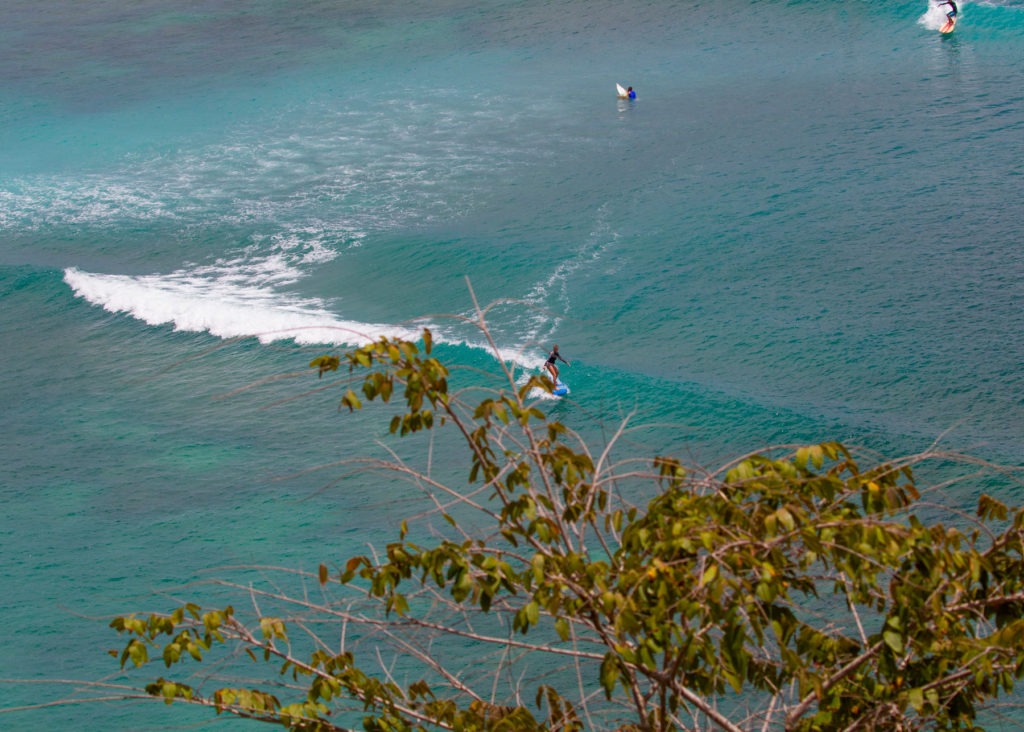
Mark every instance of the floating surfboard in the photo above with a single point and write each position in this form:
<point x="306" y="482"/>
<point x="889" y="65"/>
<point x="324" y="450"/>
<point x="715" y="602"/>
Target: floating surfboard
<point x="621" y="92"/>
<point x="560" y="388"/>
<point x="948" y="26"/>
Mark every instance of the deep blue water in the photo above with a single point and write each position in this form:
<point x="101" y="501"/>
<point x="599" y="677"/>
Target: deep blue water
<point x="806" y="227"/>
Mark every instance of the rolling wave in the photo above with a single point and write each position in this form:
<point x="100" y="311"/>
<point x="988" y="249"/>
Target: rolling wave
<point x="238" y="299"/>
<point x="227" y="310"/>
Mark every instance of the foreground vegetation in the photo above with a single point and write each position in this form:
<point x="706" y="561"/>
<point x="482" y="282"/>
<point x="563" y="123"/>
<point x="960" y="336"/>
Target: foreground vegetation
<point x="793" y="589"/>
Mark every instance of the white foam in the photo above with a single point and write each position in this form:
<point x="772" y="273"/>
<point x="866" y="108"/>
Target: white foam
<point x="550" y="296"/>
<point x="227" y="307"/>
<point x="934" y="16"/>
<point x="536" y="393"/>
<point x="31" y="205"/>
<point x="224" y="309"/>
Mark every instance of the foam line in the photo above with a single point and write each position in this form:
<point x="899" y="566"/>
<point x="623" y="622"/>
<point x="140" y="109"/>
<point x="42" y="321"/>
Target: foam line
<point x="224" y="310"/>
<point x="193" y="303"/>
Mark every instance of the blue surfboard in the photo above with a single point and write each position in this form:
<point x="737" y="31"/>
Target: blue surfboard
<point x="560" y="388"/>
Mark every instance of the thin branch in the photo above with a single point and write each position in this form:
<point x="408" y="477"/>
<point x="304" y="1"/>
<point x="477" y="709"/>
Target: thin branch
<point x="838" y="676"/>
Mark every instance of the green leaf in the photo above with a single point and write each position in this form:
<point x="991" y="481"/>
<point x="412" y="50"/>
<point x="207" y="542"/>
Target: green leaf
<point x="324" y="364"/>
<point x="172" y="652"/>
<point x="894" y="640"/>
<point x="562" y="627"/>
<point x="169" y="690"/>
<point x="137" y="653"/>
<point x="817" y="456"/>
<point x="609" y="673"/>
<point x="537" y="566"/>
<point x="989" y="508"/>
<point x="533" y="612"/>
<point x="709" y="576"/>
<point x="401" y="605"/>
<point x="351" y="401"/>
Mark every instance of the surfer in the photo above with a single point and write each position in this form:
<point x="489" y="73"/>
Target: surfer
<point x="632" y="95"/>
<point x="555" y="356"/>
<point x="951" y="14"/>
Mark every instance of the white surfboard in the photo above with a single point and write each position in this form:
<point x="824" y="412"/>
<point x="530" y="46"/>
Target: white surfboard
<point x="622" y="92"/>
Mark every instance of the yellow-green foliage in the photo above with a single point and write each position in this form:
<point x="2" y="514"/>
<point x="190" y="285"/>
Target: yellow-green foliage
<point x="795" y="590"/>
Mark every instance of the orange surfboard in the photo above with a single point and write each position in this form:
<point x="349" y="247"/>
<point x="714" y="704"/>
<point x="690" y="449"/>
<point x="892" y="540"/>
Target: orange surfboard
<point x="948" y="26"/>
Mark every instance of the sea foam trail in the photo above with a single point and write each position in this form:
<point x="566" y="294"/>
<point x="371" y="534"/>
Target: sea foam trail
<point x="223" y="309"/>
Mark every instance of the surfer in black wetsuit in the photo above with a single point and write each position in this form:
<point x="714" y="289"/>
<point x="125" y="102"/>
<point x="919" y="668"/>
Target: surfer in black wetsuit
<point x="550" y="365"/>
<point x="953" y="9"/>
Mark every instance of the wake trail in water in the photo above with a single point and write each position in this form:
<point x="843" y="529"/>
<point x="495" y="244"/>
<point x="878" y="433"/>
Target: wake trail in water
<point x="549" y="302"/>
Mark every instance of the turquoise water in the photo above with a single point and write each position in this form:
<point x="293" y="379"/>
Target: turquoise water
<point x="806" y="227"/>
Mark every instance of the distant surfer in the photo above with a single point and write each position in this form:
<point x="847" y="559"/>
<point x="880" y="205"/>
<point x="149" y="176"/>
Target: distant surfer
<point x="624" y="93"/>
<point x="632" y="94"/>
<point x="951" y="14"/>
<point x="555" y="356"/>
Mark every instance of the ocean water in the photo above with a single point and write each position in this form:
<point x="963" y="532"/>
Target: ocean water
<point x="806" y="227"/>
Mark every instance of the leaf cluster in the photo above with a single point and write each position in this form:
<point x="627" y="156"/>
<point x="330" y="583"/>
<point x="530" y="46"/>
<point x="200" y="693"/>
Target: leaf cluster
<point x="793" y="589"/>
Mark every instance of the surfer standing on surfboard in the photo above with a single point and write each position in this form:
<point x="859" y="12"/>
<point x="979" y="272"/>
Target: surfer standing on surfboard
<point x="552" y="357"/>
<point x="951" y="14"/>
